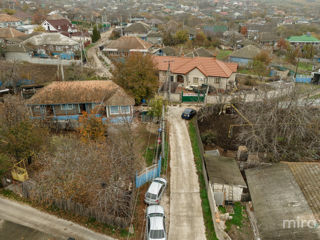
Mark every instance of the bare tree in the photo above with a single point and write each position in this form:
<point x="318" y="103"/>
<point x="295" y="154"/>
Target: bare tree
<point x="285" y="128"/>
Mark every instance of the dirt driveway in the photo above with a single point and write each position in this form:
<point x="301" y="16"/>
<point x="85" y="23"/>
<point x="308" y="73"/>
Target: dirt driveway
<point x="100" y="67"/>
<point x="186" y="219"/>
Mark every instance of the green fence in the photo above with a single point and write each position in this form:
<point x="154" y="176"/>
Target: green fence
<point x="192" y="97"/>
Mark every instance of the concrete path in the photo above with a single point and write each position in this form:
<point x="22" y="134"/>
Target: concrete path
<point x="186" y="219"/>
<point x="59" y="228"/>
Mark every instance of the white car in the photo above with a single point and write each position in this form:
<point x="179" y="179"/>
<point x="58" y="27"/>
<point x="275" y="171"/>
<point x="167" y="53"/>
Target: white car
<point x="155" y="191"/>
<point x="156" y="228"/>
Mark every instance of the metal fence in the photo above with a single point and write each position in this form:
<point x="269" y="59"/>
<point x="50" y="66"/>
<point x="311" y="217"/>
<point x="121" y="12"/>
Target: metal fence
<point x="192" y="97"/>
<point x="148" y="174"/>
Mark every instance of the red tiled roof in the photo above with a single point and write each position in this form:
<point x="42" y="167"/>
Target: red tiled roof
<point x="208" y="66"/>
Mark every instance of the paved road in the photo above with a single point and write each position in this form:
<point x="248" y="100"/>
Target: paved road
<point x="186" y="219"/>
<point x="32" y="218"/>
<point x="100" y="67"/>
<point x="9" y="230"/>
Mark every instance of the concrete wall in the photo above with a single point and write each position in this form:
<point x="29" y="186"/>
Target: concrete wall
<point x="25" y="57"/>
<point x="231" y="193"/>
<point x="250" y="97"/>
<point x="218" y="225"/>
<point x="174" y="97"/>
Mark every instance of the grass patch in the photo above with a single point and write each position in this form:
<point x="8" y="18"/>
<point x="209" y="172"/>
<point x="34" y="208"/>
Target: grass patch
<point x="315" y="96"/>
<point x="149" y="155"/>
<point x="89" y="46"/>
<point x="305" y="66"/>
<point x="223" y="54"/>
<point x="207" y="217"/>
<point x="166" y="155"/>
<point x="222" y="209"/>
<point x="236" y="217"/>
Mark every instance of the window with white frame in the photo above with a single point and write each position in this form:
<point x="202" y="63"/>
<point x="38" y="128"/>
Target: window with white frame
<point x="114" y="109"/>
<point x="217" y="80"/>
<point x="65" y="107"/>
<point x="195" y="80"/>
<point x="125" y="109"/>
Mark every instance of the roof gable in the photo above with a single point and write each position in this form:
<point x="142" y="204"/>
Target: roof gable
<point x="10" y="33"/>
<point x="208" y="66"/>
<point x="94" y="91"/>
<point x="128" y="42"/>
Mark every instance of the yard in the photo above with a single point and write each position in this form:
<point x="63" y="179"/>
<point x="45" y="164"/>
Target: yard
<point x="238" y="227"/>
<point x="40" y="73"/>
<point x="223" y="54"/>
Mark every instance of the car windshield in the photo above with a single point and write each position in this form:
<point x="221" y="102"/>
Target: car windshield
<point x="156" y="215"/>
<point x="158" y="181"/>
<point x="187" y="111"/>
<point x="151" y="196"/>
<point x="156" y="234"/>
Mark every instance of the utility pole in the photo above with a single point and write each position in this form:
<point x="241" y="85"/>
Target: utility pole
<point x="163" y="132"/>
<point x="169" y="79"/>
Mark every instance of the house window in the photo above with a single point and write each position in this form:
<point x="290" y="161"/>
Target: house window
<point x="114" y="109"/>
<point x="65" y="107"/>
<point x="217" y="80"/>
<point x="125" y="109"/>
<point x="195" y="80"/>
<point x="36" y="108"/>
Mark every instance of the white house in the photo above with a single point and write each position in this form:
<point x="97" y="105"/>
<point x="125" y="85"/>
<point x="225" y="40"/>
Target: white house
<point x="196" y="71"/>
<point x="59" y="25"/>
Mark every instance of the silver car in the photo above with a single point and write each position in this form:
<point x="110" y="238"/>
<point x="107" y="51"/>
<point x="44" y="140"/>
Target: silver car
<point x="155" y="228"/>
<point x="155" y="191"/>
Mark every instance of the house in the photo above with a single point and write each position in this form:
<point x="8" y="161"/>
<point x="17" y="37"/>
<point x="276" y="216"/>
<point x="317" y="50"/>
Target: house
<point x="68" y="100"/>
<point x="7" y="33"/>
<point x="268" y="38"/>
<point x="154" y="38"/>
<point x="139" y="29"/>
<point x="165" y="51"/>
<point x="17" y="52"/>
<point x="24" y="17"/>
<point x="53" y="44"/>
<point x="124" y="45"/>
<point x="286" y="200"/>
<point x="244" y="55"/>
<point x="9" y="21"/>
<point x="200" y="52"/>
<point x="27" y="29"/>
<point x="225" y="178"/>
<point x="304" y="39"/>
<point x="197" y="71"/>
<point x="59" y="25"/>
<point x="214" y="30"/>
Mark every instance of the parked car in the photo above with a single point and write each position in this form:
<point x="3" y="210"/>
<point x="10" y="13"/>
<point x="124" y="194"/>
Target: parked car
<point x="188" y="113"/>
<point x="155" y="223"/>
<point x="155" y="191"/>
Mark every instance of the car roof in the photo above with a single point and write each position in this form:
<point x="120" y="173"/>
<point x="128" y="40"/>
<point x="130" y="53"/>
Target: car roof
<point x="154" y="187"/>
<point x="188" y="110"/>
<point x="155" y="209"/>
<point x="156" y="223"/>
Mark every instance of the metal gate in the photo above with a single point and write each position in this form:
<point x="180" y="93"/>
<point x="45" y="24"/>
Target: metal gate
<point x="192" y="97"/>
